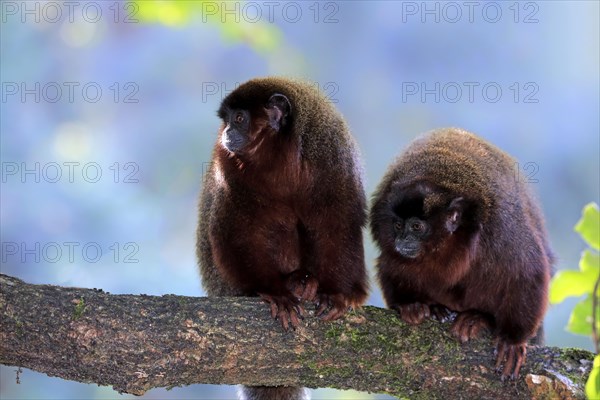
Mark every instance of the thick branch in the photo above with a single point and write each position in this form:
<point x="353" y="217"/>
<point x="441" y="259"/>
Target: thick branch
<point x="136" y="343"/>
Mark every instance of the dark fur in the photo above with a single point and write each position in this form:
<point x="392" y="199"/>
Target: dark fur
<point x="282" y="215"/>
<point x="494" y="268"/>
<point x="267" y="393"/>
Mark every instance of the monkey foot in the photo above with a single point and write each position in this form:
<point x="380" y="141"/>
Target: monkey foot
<point x="413" y="313"/>
<point x="440" y="313"/>
<point x="468" y="324"/>
<point x="286" y="309"/>
<point x="303" y="285"/>
<point x="337" y="304"/>
<point x="513" y="356"/>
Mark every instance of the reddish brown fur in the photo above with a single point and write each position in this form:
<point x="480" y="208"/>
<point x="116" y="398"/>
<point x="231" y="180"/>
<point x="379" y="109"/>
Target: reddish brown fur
<point x="290" y="205"/>
<point x="495" y="268"/>
<point x="283" y="216"/>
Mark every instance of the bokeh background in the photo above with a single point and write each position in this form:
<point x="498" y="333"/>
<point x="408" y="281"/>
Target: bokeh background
<point x="108" y="117"/>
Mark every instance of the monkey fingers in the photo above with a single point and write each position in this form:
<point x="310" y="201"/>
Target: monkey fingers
<point x="284" y="308"/>
<point x="413" y="313"/>
<point x="440" y="313"/>
<point x="468" y="324"/>
<point x="310" y="289"/>
<point x="322" y="304"/>
<point x="336" y="303"/>
<point x="303" y="285"/>
<point x="513" y="356"/>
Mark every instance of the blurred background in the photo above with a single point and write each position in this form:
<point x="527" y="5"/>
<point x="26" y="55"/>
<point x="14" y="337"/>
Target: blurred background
<point x="108" y="117"/>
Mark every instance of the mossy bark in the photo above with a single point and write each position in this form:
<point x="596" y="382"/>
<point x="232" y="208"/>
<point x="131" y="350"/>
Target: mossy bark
<point x="136" y="343"/>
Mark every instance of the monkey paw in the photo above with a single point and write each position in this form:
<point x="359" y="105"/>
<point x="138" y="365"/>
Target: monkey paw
<point x="303" y="285"/>
<point x="337" y="304"/>
<point x="286" y="309"/>
<point x="413" y="313"/>
<point x="440" y="313"/>
<point x="513" y="356"/>
<point x="468" y="324"/>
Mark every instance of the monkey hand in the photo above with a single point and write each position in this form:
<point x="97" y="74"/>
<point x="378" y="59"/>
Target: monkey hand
<point x="513" y="356"/>
<point x="303" y="285"/>
<point x="413" y="313"/>
<point x="337" y="304"/>
<point x="440" y="312"/>
<point x="285" y="308"/>
<point x="468" y="324"/>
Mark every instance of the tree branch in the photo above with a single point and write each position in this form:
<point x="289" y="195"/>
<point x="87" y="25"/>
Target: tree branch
<point x="136" y="343"/>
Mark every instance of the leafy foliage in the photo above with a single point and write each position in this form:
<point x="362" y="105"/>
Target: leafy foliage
<point x="235" y="26"/>
<point x="585" y="317"/>
<point x="589" y="225"/>
<point x="581" y="283"/>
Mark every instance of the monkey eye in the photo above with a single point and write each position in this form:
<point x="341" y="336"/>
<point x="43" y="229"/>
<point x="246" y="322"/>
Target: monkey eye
<point x="417" y="227"/>
<point x="398" y="226"/>
<point x="239" y="118"/>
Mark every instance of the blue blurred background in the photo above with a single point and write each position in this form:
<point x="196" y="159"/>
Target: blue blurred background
<point x="108" y="117"/>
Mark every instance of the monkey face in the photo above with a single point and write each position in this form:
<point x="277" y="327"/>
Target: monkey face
<point x="236" y="133"/>
<point x="417" y="219"/>
<point x="245" y="125"/>
<point x="412" y="226"/>
<point x="410" y="234"/>
<point x="418" y="230"/>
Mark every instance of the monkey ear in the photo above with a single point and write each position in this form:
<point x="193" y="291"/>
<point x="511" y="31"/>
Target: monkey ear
<point x="278" y="109"/>
<point x="454" y="215"/>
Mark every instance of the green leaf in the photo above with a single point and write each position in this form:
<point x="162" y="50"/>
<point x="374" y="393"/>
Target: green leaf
<point x="592" y="387"/>
<point x="566" y="284"/>
<point x="580" y="321"/>
<point x="590" y="264"/>
<point x="589" y="225"/>
<point x="575" y="283"/>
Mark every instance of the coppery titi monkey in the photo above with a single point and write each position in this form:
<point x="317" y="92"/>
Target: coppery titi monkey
<point x="283" y="206"/>
<point x="459" y="230"/>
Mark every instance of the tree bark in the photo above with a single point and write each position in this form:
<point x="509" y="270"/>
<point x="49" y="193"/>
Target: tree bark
<point x="136" y="343"/>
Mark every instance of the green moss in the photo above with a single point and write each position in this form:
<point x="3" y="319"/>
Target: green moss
<point x="387" y="344"/>
<point x="334" y="331"/>
<point x="571" y="354"/>
<point x="357" y="339"/>
<point x="327" y="370"/>
<point x="79" y="309"/>
<point x="19" y="328"/>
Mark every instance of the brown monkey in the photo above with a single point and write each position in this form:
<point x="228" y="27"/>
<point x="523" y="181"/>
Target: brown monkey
<point x="283" y="206"/>
<point x="458" y="230"/>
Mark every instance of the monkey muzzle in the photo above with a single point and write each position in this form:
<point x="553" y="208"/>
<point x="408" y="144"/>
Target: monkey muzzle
<point x="232" y="140"/>
<point x="407" y="249"/>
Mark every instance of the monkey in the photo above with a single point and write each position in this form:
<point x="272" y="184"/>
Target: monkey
<point x="460" y="232"/>
<point x="283" y="207"/>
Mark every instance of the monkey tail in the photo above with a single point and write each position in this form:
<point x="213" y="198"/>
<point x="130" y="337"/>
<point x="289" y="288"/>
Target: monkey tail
<point x="273" y="393"/>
